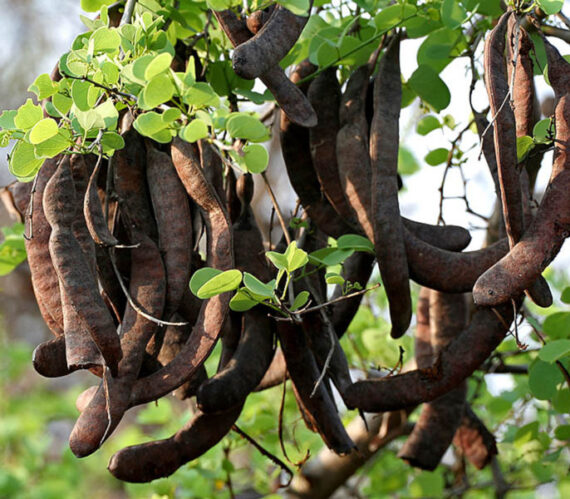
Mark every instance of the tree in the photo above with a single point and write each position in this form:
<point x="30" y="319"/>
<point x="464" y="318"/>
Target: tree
<point x="143" y="141"/>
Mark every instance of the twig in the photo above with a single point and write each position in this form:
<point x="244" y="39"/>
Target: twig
<point x="277" y="209"/>
<point x="128" y="13"/>
<point x="563" y="34"/>
<point x="340" y="298"/>
<point x="132" y="303"/>
<point x="265" y="453"/>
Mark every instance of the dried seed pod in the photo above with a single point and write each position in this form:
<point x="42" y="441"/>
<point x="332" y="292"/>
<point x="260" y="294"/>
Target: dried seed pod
<point x="257" y="19"/>
<point x="276" y="372"/>
<point x="292" y="101"/>
<point x="474" y="441"/>
<point x="385" y="210"/>
<point x="49" y="360"/>
<point x="213" y="311"/>
<point x="271" y="44"/>
<point x="455" y="363"/>
<point x="74" y="272"/>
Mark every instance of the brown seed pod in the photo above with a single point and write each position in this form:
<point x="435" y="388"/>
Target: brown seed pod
<point x="544" y="237"/>
<point x="213" y="311"/>
<point x="148" y="289"/>
<point x="455" y="363"/>
<point x="49" y="360"/>
<point x="257" y="19"/>
<point x="304" y="372"/>
<point x="161" y="458"/>
<point x="385" y="210"/>
<point x="74" y="272"/>
<point x="276" y="372"/>
<point x="474" y="441"/>
<point x="292" y="101"/>
<point x="423" y="350"/>
<point x="439" y="419"/>
<point x="271" y="44"/>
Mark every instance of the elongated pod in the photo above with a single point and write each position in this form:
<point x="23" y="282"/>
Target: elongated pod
<point x="385" y="210"/>
<point x="454" y="364"/>
<point x="213" y="311"/>
<point x="474" y="441"/>
<point x="271" y="43"/>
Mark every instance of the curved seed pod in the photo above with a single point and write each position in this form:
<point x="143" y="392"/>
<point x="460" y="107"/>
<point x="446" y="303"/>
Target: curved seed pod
<point x="291" y="99"/>
<point x="44" y="277"/>
<point x="74" y="273"/>
<point x="152" y="460"/>
<point x="449" y="271"/>
<point x="385" y="210"/>
<point x="254" y="352"/>
<point x="504" y="130"/>
<point x="448" y="237"/>
<point x="129" y="180"/>
<point x="304" y="373"/>
<point x="257" y="19"/>
<point x="551" y="226"/>
<point x="172" y="213"/>
<point x="455" y="363"/>
<point x="213" y="311"/>
<point x="213" y="169"/>
<point x="49" y="359"/>
<point x="324" y="95"/>
<point x="276" y="372"/>
<point x="474" y="440"/>
<point x="110" y="287"/>
<point x="83" y="399"/>
<point x="271" y="44"/>
<point x="148" y="289"/>
<point x="15" y="198"/>
<point x="93" y="212"/>
<point x="357" y="268"/>
<point x="423" y="350"/>
<point x="439" y="419"/>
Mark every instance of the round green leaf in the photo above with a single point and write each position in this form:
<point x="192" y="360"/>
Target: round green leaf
<point x="557" y="325"/>
<point x="157" y="65"/>
<point x="28" y="115"/>
<point x="562" y="432"/>
<point x="150" y="123"/>
<point x="355" y="242"/>
<point x="84" y="95"/>
<point x="407" y="162"/>
<point x="452" y="13"/>
<point x="525" y="144"/>
<point x="94" y="5"/>
<point x="550" y="6"/>
<point x="256" y="158"/>
<point x="62" y="103"/>
<point x="105" y="40"/>
<point x="565" y="296"/>
<point x="201" y="95"/>
<point x="158" y="91"/>
<point x="43" y="86"/>
<point x="221" y="283"/>
<point x="201" y="277"/>
<point x="554" y="350"/>
<point x="390" y="16"/>
<point x="436" y="49"/>
<point x="430" y="87"/>
<point x="298" y="7"/>
<point x="300" y="300"/>
<point x="245" y="126"/>
<point x="437" y="156"/>
<point x="54" y="145"/>
<point x="427" y="124"/>
<point x="333" y="278"/>
<point x="195" y="130"/>
<point x="23" y="162"/>
<point x="257" y="287"/>
<point x="241" y="302"/>
<point x="112" y="140"/>
<point x="541" y="130"/>
<point x="171" y="115"/>
<point x="543" y="378"/>
<point x="561" y="401"/>
<point x="43" y="130"/>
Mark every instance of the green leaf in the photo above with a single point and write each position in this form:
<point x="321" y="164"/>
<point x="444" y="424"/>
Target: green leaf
<point x="221" y="283"/>
<point x="430" y="87"/>
<point x="541" y="131"/>
<point x="551" y="7"/>
<point x="219" y="4"/>
<point x="157" y="65"/>
<point x="43" y="86"/>
<point x="452" y="13"/>
<point x="105" y="40"/>
<point x="256" y="158"/>
<point x="438" y="48"/>
<point x="201" y="95"/>
<point x="112" y="141"/>
<point x="437" y="156"/>
<point x="390" y="16"/>
<point x="171" y="115"/>
<point x="427" y="484"/>
<point x="53" y="146"/>
<point x="557" y="325"/>
<point x="525" y="144"/>
<point x="158" y="91"/>
<point x="565" y="296"/>
<point x="62" y="103"/>
<point x="94" y="5"/>
<point x="195" y="130"/>
<point x="12" y="249"/>
<point x="296" y="257"/>
<point x="543" y="378"/>
<point x="330" y="256"/>
<point x="427" y="124"/>
<point x="242" y="302"/>
<point x="245" y="126"/>
<point x="298" y="7"/>
<point x="277" y="259"/>
<point x="561" y="401"/>
<point x="28" y="115"/>
<point x="84" y="95"/>
<point x="355" y="242"/>
<point x="562" y="432"/>
<point x="407" y="163"/>
<point x="554" y="350"/>
<point x="257" y="287"/>
<point x="300" y="300"/>
<point x="148" y="124"/>
<point x="23" y="162"/>
<point x="201" y="277"/>
<point x="333" y="278"/>
<point x="43" y="130"/>
<point x="7" y="120"/>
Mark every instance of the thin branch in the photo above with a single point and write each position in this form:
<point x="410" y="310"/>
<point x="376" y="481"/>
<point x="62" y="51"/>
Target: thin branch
<point x="563" y="34"/>
<point x="340" y="298"/>
<point x="128" y="13"/>
<point x="277" y="208"/>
